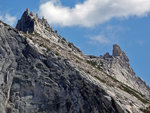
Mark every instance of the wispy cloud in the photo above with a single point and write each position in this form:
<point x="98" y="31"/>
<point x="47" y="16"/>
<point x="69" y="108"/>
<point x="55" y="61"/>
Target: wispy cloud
<point x="7" y="18"/>
<point x="10" y="19"/>
<point x="92" y="12"/>
<point x="107" y="35"/>
<point x="140" y="42"/>
<point x="1" y="17"/>
<point x="98" y="39"/>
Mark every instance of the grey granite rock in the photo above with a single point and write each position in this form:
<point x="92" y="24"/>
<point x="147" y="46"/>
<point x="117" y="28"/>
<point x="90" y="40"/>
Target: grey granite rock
<point x="31" y="82"/>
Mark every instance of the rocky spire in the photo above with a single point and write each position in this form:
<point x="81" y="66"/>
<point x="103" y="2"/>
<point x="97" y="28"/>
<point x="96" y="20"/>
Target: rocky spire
<point x="30" y="23"/>
<point x="117" y="52"/>
<point x="26" y="23"/>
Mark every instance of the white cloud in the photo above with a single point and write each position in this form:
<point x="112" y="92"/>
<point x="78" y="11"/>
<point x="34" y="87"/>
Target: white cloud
<point x="9" y="19"/>
<point x="92" y="12"/>
<point x="99" y="39"/>
<point x="107" y="35"/>
<point x="1" y="17"/>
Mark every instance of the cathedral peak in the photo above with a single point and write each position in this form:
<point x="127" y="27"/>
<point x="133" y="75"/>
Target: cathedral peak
<point x="30" y="23"/>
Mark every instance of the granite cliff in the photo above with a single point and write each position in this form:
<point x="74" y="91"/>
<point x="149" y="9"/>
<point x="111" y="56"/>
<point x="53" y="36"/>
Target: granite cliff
<point x="40" y="72"/>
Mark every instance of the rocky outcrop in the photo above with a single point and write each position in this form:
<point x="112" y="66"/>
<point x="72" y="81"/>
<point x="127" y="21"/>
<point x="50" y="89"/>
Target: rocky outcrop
<point x="118" y="67"/>
<point x="107" y="55"/>
<point x="29" y="23"/>
<point x="117" y="52"/>
<point x="26" y="23"/>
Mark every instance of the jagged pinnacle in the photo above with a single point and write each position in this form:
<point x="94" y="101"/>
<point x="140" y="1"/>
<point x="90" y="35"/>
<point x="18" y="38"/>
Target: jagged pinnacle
<point x="26" y="23"/>
<point x="116" y="50"/>
<point x="30" y="23"/>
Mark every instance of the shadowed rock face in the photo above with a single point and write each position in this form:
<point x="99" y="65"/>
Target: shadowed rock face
<point x="26" y="23"/>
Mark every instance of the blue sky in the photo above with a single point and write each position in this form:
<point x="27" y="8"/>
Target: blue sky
<point x="94" y="25"/>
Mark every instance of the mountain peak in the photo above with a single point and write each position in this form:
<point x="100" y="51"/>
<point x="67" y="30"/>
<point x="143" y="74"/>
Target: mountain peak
<point x="30" y="23"/>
